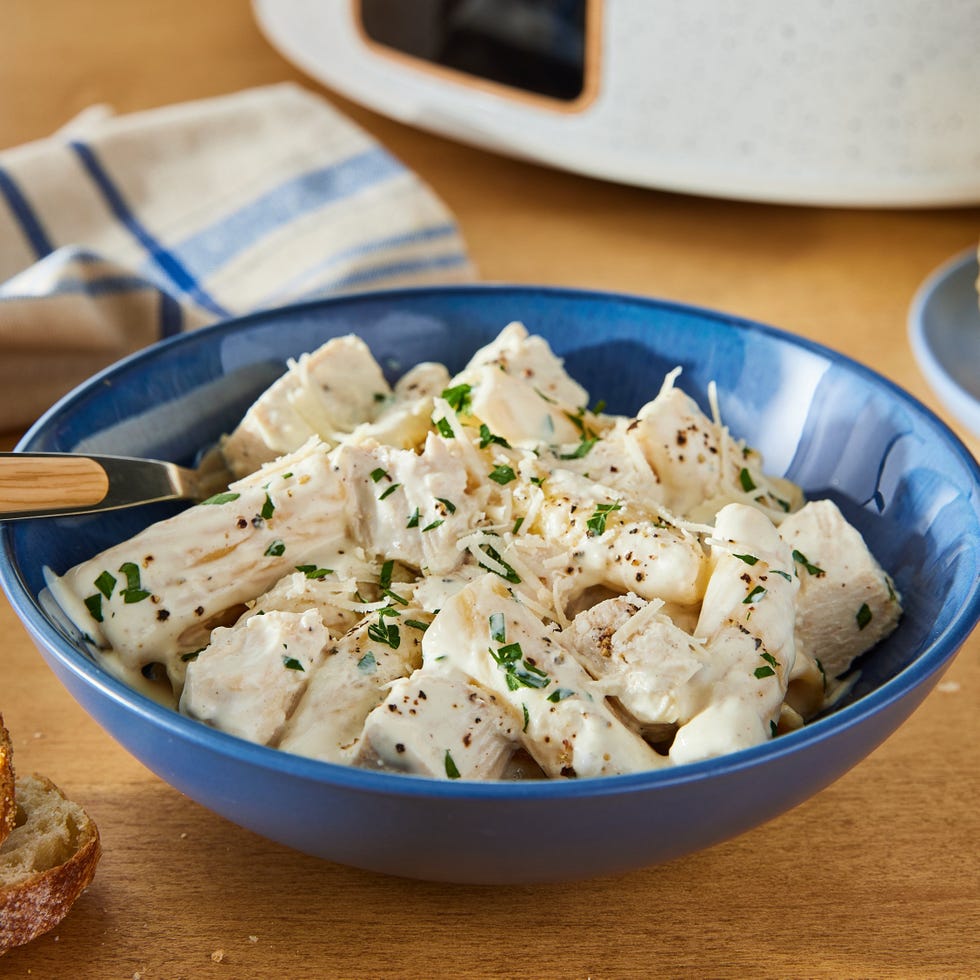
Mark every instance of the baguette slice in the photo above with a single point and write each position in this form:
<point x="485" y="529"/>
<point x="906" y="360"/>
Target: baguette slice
<point x="8" y="807"/>
<point x="46" y="863"/>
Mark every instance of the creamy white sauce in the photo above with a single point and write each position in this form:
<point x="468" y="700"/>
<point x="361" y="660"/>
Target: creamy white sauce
<point x="435" y="577"/>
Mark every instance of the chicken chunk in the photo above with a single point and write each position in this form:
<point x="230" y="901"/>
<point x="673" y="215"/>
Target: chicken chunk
<point x="248" y="679"/>
<point x="847" y="602"/>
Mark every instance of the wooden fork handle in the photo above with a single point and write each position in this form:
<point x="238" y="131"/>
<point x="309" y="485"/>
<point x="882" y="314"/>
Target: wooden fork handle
<point x="40" y="482"/>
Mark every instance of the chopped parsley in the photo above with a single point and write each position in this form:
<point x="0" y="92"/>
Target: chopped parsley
<point x="765" y="671"/>
<point x="757" y="593"/>
<point x="560" y="694"/>
<point x="509" y="574"/>
<point x="597" y="522"/>
<point x="312" y="571"/>
<point x="519" y="671"/>
<point x="433" y="525"/>
<point x="384" y="579"/>
<point x="417" y="624"/>
<point x="291" y="663"/>
<point x="379" y="474"/>
<point x="458" y="397"/>
<point x="582" y="449"/>
<point x="487" y="437"/>
<point x="745" y="479"/>
<point x="781" y="574"/>
<point x="367" y="664"/>
<point x="772" y="729"/>
<point x="105" y="583"/>
<point x="445" y="429"/>
<point x="527" y="717"/>
<point x="502" y="474"/>
<point x="277" y="548"/>
<point x="498" y="628"/>
<point x="93" y="604"/>
<point x="268" y="508"/>
<point x="748" y="559"/>
<point x="389" y="491"/>
<point x="451" y="771"/>
<point x="448" y="504"/>
<point x="863" y="616"/>
<point x="517" y="525"/>
<point x="134" y="591"/>
<point x="222" y="498"/>
<point x="385" y="633"/>
<point x="801" y="559"/>
<point x="414" y="518"/>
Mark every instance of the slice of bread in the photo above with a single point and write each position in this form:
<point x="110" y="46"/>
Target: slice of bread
<point x="46" y="862"/>
<point x="8" y="807"/>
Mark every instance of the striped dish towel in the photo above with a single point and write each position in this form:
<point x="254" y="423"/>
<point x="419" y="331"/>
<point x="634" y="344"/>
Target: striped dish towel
<point x="119" y="230"/>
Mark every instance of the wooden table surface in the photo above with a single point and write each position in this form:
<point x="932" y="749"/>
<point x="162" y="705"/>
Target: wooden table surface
<point x="878" y="876"/>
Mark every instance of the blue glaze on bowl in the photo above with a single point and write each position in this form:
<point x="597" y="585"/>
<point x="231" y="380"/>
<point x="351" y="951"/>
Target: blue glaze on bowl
<point x="828" y="423"/>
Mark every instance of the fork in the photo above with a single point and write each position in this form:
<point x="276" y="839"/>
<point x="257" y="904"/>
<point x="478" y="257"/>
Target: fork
<point x="56" y="484"/>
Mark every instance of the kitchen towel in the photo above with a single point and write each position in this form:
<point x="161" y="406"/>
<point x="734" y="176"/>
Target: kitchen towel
<point x="119" y="230"/>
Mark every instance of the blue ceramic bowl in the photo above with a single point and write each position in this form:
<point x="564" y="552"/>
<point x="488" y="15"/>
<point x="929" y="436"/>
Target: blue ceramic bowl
<point x="826" y="422"/>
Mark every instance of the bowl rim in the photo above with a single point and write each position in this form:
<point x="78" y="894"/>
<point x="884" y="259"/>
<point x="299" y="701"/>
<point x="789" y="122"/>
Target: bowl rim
<point x="927" y="666"/>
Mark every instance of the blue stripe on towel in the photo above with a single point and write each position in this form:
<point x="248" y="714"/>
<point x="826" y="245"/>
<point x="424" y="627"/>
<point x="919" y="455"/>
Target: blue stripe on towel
<point x="295" y="286"/>
<point x="167" y="262"/>
<point x="209" y="249"/>
<point x="29" y="222"/>
<point x="391" y="269"/>
<point x="106" y="286"/>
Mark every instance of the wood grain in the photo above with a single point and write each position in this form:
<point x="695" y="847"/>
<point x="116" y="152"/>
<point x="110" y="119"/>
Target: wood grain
<point x="32" y="483"/>
<point x="878" y="876"/>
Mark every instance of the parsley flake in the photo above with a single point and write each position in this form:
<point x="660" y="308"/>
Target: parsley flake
<point x="268" y="508"/>
<point x="745" y="479"/>
<point x="105" y="583"/>
<point x="487" y="437"/>
<point x="502" y="474"/>
<point x="448" y="504"/>
<point x="312" y="571"/>
<point x="451" y="771"/>
<point x="433" y="525"/>
<point x="379" y="474"/>
<point x="863" y="616"/>
<point x="276" y="549"/>
<point x="458" y="397"/>
<point x="222" y="498"/>
<point x="508" y="574"/>
<point x="414" y="518"/>
<point x="445" y="429"/>
<point x="93" y="604"/>
<point x="560" y="695"/>
<point x="801" y="559"/>
<point x="596" y="524"/>
<point x="385" y="633"/>
<point x="389" y="491"/>
<point x="291" y="663"/>
<point x="367" y="664"/>
<point x="748" y="559"/>
<point x="757" y="593"/>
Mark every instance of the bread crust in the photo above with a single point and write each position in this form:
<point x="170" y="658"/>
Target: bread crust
<point x="8" y="802"/>
<point x="38" y="901"/>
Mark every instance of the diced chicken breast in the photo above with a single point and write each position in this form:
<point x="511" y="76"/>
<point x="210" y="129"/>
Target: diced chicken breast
<point x="248" y="679"/>
<point x="440" y="725"/>
<point x="609" y="541"/>
<point x="153" y="597"/>
<point x="529" y="359"/>
<point x="324" y="393"/>
<point x="407" y="506"/>
<point x="701" y="467"/>
<point x="484" y="633"/>
<point x="747" y="623"/>
<point x="404" y="419"/>
<point x="847" y="602"/>
<point x="350" y="682"/>
<point x="641" y="658"/>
